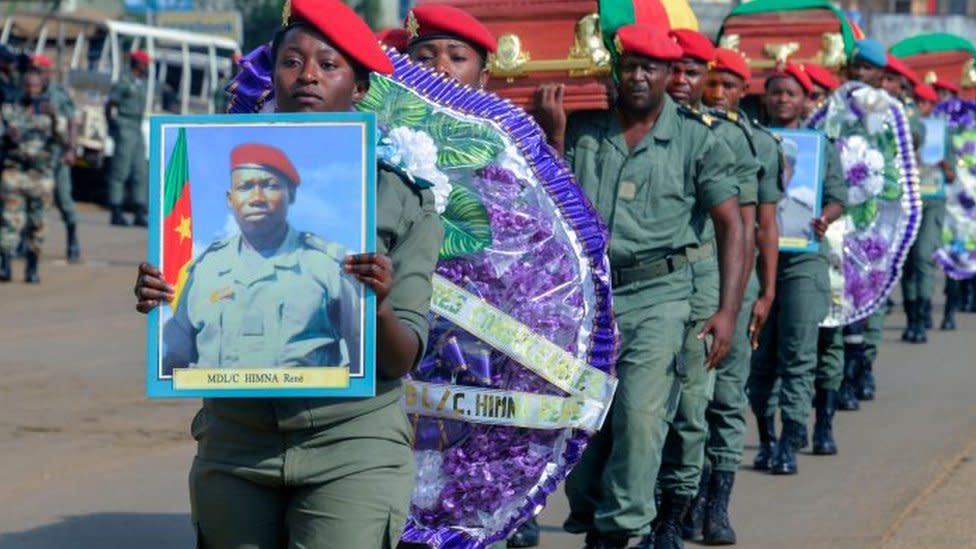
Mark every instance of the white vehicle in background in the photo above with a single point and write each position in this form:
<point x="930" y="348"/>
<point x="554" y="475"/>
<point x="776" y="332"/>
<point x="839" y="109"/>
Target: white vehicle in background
<point x="91" y="54"/>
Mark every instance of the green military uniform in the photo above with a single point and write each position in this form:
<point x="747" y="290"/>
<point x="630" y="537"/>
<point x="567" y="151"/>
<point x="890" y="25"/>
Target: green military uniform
<point x="127" y="171"/>
<point x="726" y="410"/>
<point x="300" y="459"/>
<point x="28" y="173"/>
<point x="788" y="343"/>
<point x="59" y="97"/>
<point x="830" y="359"/>
<point x="240" y="308"/>
<point x="647" y="195"/>
<point x="683" y="454"/>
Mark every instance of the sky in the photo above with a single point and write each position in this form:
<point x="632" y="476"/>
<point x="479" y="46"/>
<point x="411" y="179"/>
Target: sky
<point x="329" y="162"/>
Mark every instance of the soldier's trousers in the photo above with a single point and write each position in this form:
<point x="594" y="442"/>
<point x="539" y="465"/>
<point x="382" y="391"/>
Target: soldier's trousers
<point x="275" y="489"/>
<point x="25" y="196"/>
<point x="873" y="333"/>
<point x="788" y="344"/>
<point x="830" y="359"/>
<point x="726" y="410"/>
<point x="62" y="194"/>
<point x="127" y="173"/>
<point x="918" y="275"/>
<point x="612" y="488"/>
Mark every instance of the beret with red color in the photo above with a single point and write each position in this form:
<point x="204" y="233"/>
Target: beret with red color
<point x="796" y="72"/>
<point x="430" y="21"/>
<point x="395" y="38"/>
<point x="897" y="66"/>
<point x="344" y="30"/>
<point x="821" y="76"/>
<point x="646" y="41"/>
<point x="42" y="61"/>
<point x="140" y="56"/>
<point x="694" y="44"/>
<point x="732" y="61"/>
<point x="257" y="155"/>
<point x="924" y="92"/>
<point x="945" y="85"/>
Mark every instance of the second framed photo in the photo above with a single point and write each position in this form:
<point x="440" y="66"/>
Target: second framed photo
<point x="803" y="173"/>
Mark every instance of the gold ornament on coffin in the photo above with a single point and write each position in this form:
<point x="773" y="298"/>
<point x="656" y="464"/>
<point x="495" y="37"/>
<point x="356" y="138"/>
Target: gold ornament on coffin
<point x="831" y="54"/>
<point x="969" y="74"/>
<point x="730" y="42"/>
<point x="931" y="78"/>
<point x="586" y="57"/>
<point x="780" y="53"/>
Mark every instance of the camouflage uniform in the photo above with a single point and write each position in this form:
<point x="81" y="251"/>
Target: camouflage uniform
<point x="28" y="173"/>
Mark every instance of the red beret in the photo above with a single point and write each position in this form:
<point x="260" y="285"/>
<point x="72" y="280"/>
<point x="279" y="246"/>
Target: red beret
<point x="821" y="76"/>
<point x="646" y="41"/>
<point x="42" y="61"/>
<point x="694" y="44"/>
<point x="896" y="66"/>
<point x="732" y="61"/>
<point x="344" y="30"/>
<point x="945" y="85"/>
<point x="140" y="56"/>
<point x="924" y="92"/>
<point x="430" y="21"/>
<point x="796" y="72"/>
<point x="395" y="38"/>
<point x="257" y="155"/>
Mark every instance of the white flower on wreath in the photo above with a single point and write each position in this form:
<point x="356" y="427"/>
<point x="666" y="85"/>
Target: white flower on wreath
<point x="416" y="153"/>
<point x="863" y="169"/>
<point x="875" y="104"/>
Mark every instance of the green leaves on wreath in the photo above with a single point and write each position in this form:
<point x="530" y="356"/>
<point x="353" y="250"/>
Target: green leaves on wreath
<point x="462" y="144"/>
<point x="864" y="214"/>
<point x="892" y="183"/>
<point x="467" y="227"/>
<point x="393" y="104"/>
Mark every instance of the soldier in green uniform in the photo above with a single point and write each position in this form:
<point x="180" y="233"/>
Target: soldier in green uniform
<point x="58" y="96"/>
<point x="33" y="131"/>
<point x="684" y="449"/>
<point x="329" y="474"/>
<point x="725" y="86"/>
<point x="127" y="172"/>
<point x="647" y="166"/>
<point x="787" y="350"/>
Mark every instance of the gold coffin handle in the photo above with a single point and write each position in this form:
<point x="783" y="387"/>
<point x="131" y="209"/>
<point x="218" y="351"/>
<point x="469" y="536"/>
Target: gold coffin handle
<point x="587" y="56"/>
<point x="831" y="54"/>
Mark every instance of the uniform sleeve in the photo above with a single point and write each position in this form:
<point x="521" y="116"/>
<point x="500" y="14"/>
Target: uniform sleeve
<point x="745" y="167"/>
<point x="770" y="186"/>
<point x="348" y="314"/>
<point x="714" y="182"/>
<point x="572" y="136"/>
<point x="834" y="186"/>
<point x="414" y="257"/>
<point x="179" y="341"/>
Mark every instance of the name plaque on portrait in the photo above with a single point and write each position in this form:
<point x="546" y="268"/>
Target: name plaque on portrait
<point x="803" y="173"/>
<point x="251" y="218"/>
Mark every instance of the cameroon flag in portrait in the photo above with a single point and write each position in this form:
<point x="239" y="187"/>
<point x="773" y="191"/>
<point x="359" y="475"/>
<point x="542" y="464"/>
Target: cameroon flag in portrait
<point x="177" y="230"/>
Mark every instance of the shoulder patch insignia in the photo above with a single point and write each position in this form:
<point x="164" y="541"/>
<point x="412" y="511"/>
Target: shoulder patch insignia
<point x="706" y="119"/>
<point x="332" y="249"/>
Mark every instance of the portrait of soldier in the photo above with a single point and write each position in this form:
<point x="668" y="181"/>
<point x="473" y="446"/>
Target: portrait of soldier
<point x="270" y="296"/>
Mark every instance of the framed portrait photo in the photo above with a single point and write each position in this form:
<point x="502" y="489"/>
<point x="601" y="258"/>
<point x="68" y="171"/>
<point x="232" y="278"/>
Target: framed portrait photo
<point x="251" y="218"/>
<point x="931" y="177"/>
<point x="804" y="160"/>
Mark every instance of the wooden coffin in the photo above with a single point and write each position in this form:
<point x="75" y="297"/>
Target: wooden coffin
<point x="948" y="66"/>
<point x="543" y="41"/>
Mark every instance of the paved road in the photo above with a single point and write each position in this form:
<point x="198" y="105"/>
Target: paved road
<point x="86" y="462"/>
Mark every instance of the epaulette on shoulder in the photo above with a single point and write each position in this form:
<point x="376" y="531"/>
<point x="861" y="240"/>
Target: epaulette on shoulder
<point x="332" y="249"/>
<point x="407" y="178"/>
<point x="213" y="247"/>
<point x="706" y="119"/>
<point x="765" y="130"/>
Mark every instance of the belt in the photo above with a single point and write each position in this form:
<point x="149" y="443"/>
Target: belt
<point x="699" y="253"/>
<point x="650" y="270"/>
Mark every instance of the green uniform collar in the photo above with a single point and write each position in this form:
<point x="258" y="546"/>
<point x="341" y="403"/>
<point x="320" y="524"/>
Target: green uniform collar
<point x="665" y="129"/>
<point x="285" y="257"/>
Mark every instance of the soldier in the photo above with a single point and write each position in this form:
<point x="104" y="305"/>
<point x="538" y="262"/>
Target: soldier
<point x="681" y="464"/>
<point x="61" y="99"/>
<point x="918" y="275"/>
<point x="320" y="472"/>
<point x="127" y="171"/>
<point x="646" y="165"/>
<point x="787" y="350"/>
<point x="450" y="41"/>
<point x="946" y="90"/>
<point x="34" y="129"/>
<point x="299" y="273"/>
<point x="726" y="85"/>
<point x="824" y="84"/>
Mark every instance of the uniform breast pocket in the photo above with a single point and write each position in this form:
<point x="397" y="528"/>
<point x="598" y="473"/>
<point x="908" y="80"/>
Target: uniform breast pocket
<point x="665" y="191"/>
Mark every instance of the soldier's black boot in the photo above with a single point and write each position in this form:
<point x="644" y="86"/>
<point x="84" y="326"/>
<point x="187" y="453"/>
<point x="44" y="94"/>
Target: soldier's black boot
<point x="4" y="267"/>
<point x="118" y="218"/>
<point x="691" y="527"/>
<point x="139" y="220"/>
<point x="846" y="397"/>
<point x="922" y="312"/>
<point x="767" y="443"/>
<point x="30" y="273"/>
<point x="73" y="251"/>
<point x="784" y="460"/>
<point x="667" y="532"/>
<point x="865" y="381"/>
<point x="596" y="540"/>
<point x="949" y="312"/>
<point x="527" y="535"/>
<point x="910" y="334"/>
<point x="927" y="313"/>
<point x="823" y="431"/>
<point x="717" y="528"/>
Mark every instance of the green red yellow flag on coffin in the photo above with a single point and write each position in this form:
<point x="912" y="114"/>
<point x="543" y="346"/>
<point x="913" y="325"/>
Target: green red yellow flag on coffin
<point x="177" y="228"/>
<point x="674" y="14"/>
